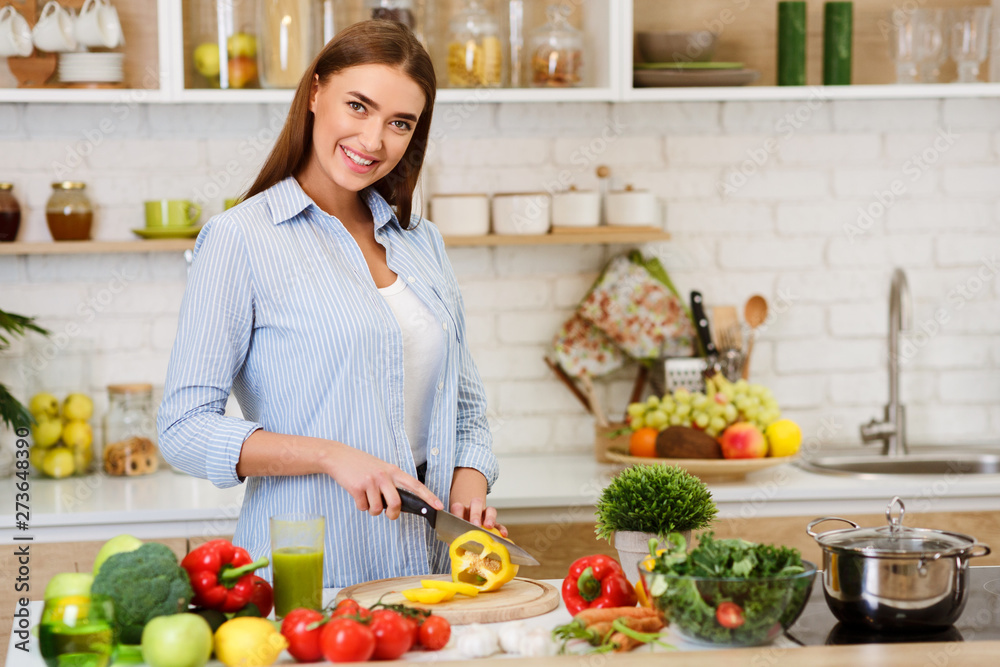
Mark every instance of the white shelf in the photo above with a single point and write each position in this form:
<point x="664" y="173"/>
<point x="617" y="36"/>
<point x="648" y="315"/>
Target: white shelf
<point x="82" y="95"/>
<point x="780" y="93"/>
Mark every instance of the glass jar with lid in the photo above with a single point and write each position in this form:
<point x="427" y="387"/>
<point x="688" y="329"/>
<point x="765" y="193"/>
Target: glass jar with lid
<point x="290" y="34"/>
<point x="475" y="54"/>
<point x="130" y="431"/>
<point x="556" y="51"/>
<point x="68" y="212"/>
<point x="393" y="10"/>
<point x="10" y="213"/>
<point x="220" y="43"/>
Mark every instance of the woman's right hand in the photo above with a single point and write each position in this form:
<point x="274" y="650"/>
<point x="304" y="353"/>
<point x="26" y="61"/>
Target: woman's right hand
<point x="372" y="482"/>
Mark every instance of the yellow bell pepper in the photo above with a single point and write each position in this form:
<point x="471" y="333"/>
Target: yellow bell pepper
<point x="487" y="569"/>
<point x="453" y="586"/>
<point x="427" y="595"/>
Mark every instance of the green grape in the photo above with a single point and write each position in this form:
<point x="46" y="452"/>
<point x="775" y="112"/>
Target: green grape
<point x="675" y="419"/>
<point x="682" y="395"/>
<point x="636" y="409"/>
<point x="731" y="413"/>
<point x="653" y="401"/>
<point x="742" y="385"/>
<point x="636" y="423"/>
<point x="657" y="419"/>
<point x="742" y="404"/>
<point x="683" y="410"/>
<point x="717" y="424"/>
<point x="710" y="387"/>
<point x="699" y="400"/>
<point x="702" y="420"/>
<point x="751" y="414"/>
<point x="668" y="404"/>
<point x="711" y="432"/>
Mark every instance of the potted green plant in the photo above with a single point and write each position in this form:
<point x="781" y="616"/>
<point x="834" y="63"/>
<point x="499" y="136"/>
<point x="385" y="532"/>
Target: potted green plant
<point x="13" y="414"/>
<point x="651" y="501"/>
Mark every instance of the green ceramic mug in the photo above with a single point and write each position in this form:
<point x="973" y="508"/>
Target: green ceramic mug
<point x="230" y="202"/>
<point x="171" y="213"/>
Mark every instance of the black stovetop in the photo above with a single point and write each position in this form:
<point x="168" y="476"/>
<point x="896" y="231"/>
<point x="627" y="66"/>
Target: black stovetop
<point x="980" y="620"/>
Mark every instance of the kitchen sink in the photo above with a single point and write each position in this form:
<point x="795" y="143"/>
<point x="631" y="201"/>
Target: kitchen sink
<point x="937" y="462"/>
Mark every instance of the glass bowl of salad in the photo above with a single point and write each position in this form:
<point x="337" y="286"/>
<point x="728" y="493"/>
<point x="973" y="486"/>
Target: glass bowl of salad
<point x="727" y="592"/>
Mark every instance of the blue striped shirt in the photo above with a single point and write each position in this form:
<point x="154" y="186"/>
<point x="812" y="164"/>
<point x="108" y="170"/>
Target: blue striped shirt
<point x="281" y="309"/>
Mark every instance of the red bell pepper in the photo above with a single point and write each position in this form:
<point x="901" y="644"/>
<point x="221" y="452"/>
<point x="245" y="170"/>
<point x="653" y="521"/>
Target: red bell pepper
<point x="596" y="582"/>
<point x="221" y="575"/>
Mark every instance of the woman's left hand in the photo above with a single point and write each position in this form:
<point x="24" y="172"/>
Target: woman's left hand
<point x="468" y="499"/>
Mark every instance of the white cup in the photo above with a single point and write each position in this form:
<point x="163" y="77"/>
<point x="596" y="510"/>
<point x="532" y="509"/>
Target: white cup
<point x="461" y="215"/>
<point x="98" y="25"/>
<point x="527" y="213"/>
<point x="54" y="29"/>
<point x="15" y="34"/>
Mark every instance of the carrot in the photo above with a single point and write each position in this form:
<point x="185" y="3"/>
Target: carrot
<point x="645" y="624"/>
<point x="607" y="614"/>
<point x="624" y="642"/>
<point x="600" y="629"/>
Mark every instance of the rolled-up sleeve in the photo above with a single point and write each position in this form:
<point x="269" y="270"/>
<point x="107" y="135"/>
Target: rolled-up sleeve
<point x="213" y="336"/>
<point x="474" y="440"/>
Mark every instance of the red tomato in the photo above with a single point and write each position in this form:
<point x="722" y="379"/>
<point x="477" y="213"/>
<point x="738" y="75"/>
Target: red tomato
<point x="435" y="633"/>
<point x="348" y="607"/>
<point x="729" y="615"/>
<point x="414" y="629"/>
<point x="346" y="640"/>
<point x="392" y="634"/>
<point x="303" y="644"/>
<point x="262" y="595"/>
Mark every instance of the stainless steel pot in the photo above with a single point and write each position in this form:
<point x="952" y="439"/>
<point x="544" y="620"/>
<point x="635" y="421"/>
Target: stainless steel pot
<point x="895" y="578"/>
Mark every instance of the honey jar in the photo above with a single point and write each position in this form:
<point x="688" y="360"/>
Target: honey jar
<point x="68" y="212"/>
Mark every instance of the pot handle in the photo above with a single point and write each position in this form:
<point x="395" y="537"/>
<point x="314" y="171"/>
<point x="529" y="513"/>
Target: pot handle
<point x="967" y="552"/>
<point x="813" y="534"/>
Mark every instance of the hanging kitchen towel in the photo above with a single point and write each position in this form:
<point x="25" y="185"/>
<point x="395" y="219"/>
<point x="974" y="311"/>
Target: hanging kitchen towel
<point x="583" y="350"/>
<point x="635" y="305"/>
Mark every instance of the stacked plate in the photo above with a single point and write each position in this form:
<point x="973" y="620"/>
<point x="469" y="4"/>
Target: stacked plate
<point x="693" y="74"/>
<point x="87" y="67"/>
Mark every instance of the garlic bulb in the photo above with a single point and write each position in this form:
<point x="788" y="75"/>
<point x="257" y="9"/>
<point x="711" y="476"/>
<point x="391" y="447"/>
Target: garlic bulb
<point x="536" y="643"/>
<point x="478" y="641"/>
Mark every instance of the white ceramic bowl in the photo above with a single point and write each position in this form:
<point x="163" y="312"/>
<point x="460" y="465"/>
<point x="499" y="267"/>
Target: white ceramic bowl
<point x="576" y="208"/>
<point x="461" y="215"/>
<point x="632" y="208"/>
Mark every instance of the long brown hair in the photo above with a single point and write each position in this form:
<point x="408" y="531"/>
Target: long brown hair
<point x="375" y="42"/>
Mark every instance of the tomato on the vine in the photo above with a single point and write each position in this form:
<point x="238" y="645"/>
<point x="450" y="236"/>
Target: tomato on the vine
<point x="435" y="633"/>
<point x="729" y="615"/>
<point x="303" y="643"/>
<point x="392" y="632"/>
<point x="346" y="640"/>
<point x="350" y="608"/>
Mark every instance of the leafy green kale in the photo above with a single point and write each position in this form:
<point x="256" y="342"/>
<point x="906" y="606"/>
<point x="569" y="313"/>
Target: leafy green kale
<point x="769" y="584"/>
<point x="143" y="584"/>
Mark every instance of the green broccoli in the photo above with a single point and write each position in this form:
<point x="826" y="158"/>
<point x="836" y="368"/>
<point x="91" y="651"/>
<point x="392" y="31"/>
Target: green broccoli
<point x="143" y="584"/>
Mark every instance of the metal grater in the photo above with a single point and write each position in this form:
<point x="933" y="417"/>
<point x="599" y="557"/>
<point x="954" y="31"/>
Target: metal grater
<point x="687" y="372"/>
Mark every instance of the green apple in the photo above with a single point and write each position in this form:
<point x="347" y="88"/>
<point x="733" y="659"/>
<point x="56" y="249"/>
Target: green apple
<point x="69" y="583"/>
<point x="78" y="407"/>
<point x="116" y="545"/>
<point x="242" y="44"/>
<point x="177" y="640"/>
<point x="206" y="59"/>
<point x="44" y="406"/>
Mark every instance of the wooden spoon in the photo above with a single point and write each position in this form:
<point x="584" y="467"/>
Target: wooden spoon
<point x="754" y="313"/>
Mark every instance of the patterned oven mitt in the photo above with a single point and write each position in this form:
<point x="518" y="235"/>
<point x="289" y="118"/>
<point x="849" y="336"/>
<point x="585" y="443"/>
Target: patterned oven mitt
<point x="635" y="305"/>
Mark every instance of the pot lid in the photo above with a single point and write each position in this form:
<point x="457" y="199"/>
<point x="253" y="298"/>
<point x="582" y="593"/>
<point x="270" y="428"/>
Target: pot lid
<point x="893" y="539"/>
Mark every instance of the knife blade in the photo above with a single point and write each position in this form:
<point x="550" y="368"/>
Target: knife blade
<point x="447" y="526"/>
<point x="701" y="324"/>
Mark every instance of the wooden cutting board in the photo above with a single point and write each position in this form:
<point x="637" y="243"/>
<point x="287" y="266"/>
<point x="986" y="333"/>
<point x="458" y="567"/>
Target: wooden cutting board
<point x="519" y="598"/>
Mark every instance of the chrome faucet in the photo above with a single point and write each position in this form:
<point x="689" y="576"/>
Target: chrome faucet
<point x="891" y="431"/>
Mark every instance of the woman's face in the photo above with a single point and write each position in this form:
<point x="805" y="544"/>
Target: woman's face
<point x="364" y="119"/>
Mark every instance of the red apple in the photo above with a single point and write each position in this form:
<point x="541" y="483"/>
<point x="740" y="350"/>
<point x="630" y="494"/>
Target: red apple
<point x="743" y="440"/>
<point x="242" y="71"/>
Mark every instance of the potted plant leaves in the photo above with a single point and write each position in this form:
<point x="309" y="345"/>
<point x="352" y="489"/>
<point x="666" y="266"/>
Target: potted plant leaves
<point x="651" y="501"/>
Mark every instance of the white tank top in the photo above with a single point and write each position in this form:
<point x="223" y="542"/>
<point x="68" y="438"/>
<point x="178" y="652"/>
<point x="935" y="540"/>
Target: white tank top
<point x="423" y="356"/>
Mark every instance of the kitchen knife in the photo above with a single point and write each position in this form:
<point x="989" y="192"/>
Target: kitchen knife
<point x="701" y="324"/>
<point x="447" y="526"/>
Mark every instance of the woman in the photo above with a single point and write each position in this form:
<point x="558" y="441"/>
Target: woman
<point x="338" y="325"/>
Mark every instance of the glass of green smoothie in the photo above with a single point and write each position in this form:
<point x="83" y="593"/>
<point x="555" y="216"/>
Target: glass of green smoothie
<point x="297" y="561"/>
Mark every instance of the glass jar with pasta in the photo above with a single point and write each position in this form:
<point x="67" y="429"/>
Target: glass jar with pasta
<point x="475" y="56"/>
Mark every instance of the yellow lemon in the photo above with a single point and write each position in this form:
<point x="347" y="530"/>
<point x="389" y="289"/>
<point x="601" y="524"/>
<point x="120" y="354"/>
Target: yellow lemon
<point x="77" y="434"/>
<point x="58" y="462"/>
<point x="784" y="437"/>
<point x="82" y="458"/>
<point x="78" y="407"/>
<point x="46" y="433"/>
<point x="248" y="641"/>
<point x="36" y="455"/>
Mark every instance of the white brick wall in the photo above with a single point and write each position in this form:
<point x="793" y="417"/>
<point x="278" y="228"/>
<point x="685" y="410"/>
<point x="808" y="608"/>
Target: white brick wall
<point x="785" y="232"/>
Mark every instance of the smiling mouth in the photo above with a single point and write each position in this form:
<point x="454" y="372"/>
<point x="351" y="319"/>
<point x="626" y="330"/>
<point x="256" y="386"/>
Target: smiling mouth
<point x="357" y="158"/>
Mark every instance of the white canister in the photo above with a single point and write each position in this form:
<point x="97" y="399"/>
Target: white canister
<point x="461" y="215"/>
<point x="522" y="213"/>
<point x="631" y="208"/>
<point x="576" y="208"/>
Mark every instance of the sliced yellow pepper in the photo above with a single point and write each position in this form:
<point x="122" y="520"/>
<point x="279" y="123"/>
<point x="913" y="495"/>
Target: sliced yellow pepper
<point x="453" y="586"/>
<point x="487" y="568"/>
<point x="640" y="594"/>
<point x="427" y="595"/>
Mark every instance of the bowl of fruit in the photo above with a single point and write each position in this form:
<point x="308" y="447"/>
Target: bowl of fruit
<point x="724" y="432"/>
<point x="727" y="592"/>
<point x="62" y="438"/>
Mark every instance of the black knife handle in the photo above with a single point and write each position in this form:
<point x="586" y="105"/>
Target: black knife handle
<point x="701" y="323"/>
<point x="413" y="504"/>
